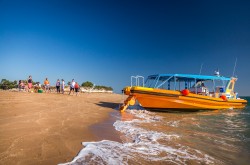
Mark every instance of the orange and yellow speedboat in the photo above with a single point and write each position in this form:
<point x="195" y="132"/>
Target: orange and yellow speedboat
<point x="185" y="92"/>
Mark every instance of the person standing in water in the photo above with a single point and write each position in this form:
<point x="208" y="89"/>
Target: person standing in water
<point x="58" y="86"/>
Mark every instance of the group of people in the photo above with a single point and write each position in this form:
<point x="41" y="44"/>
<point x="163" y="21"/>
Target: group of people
<point x="74" y="86"/>
<point x="60" y="86"/>
<point x="22" y="85"/>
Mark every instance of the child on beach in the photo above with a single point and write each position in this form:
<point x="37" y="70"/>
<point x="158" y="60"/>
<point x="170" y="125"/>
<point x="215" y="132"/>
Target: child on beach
<point x="62" y="86"/>
<point x="58" y="86"/>
<point x="76" y="88"/>
<point x="72" y="86"/>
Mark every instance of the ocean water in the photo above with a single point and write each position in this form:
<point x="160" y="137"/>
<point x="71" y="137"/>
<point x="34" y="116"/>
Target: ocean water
<point x="206" y="137"/>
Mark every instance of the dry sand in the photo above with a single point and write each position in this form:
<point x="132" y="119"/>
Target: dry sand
<point x="49" y="128"/>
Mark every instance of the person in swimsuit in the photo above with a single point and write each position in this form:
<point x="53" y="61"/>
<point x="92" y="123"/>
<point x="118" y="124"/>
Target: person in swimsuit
<point x="29" y="83"/>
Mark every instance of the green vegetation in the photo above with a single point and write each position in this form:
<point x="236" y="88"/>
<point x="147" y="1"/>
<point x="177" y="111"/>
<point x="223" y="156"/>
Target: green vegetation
<point x="6" y="84"/>
<point x="87" y="84"/>
<point x="100" y="87"/>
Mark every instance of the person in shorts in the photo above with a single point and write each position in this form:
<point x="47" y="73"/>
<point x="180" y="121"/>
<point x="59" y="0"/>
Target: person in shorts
<point x="72" y="86"/>
<point x="46" y="85"/>
<point x="77" y="88"/>
<point x="58" y="86"/>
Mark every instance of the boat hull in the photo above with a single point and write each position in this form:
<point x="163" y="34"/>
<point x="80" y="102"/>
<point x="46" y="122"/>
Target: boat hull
<point x="168" y="100"/>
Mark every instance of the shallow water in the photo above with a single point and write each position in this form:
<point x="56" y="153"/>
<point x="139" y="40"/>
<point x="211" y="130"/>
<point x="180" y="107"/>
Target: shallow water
<point x="207" y="137"/>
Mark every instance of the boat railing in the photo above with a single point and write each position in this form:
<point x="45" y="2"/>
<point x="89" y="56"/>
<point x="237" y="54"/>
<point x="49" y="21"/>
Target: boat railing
<point x="137" y="80"/>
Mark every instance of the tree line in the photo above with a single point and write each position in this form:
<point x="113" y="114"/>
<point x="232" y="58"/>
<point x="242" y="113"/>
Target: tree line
<point x="7" y="84"/>
<point x="89" y="84"/>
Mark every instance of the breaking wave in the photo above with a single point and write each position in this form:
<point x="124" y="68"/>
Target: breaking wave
<point x="141" y="145"/>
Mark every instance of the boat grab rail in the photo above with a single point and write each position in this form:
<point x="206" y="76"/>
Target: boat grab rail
<point x="137" y="80"/>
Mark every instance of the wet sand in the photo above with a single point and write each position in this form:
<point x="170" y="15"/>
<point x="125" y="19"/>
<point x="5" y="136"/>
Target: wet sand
<point x="49" y="128"/>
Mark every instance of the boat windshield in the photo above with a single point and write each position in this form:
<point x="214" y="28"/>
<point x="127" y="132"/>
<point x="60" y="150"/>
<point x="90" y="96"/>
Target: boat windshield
<point x="195" y="83"/>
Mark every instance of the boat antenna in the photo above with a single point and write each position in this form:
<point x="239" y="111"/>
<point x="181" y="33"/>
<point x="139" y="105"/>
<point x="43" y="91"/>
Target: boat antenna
<point x="234" y="66"/>
<point x="201" y="67"/>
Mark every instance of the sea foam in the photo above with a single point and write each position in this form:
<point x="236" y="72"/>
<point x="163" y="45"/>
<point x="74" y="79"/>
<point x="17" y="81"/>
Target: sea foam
<point x="144" y="147"/>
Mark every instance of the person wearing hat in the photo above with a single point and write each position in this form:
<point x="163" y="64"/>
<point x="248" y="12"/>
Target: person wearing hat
<point x="62" y="86"/>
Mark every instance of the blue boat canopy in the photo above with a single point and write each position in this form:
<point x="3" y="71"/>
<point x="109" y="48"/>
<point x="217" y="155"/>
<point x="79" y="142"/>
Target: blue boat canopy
<point x="185" y="77"/>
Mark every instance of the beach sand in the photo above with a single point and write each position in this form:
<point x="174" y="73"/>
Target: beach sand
<point x="49" y="128"/>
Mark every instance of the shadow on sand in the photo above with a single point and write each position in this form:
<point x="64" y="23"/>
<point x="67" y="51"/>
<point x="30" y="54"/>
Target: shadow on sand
<point x="108" y="105"/>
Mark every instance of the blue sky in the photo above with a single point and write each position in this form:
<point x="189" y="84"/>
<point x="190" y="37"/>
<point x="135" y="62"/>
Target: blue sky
<point x="106" y="42"/>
